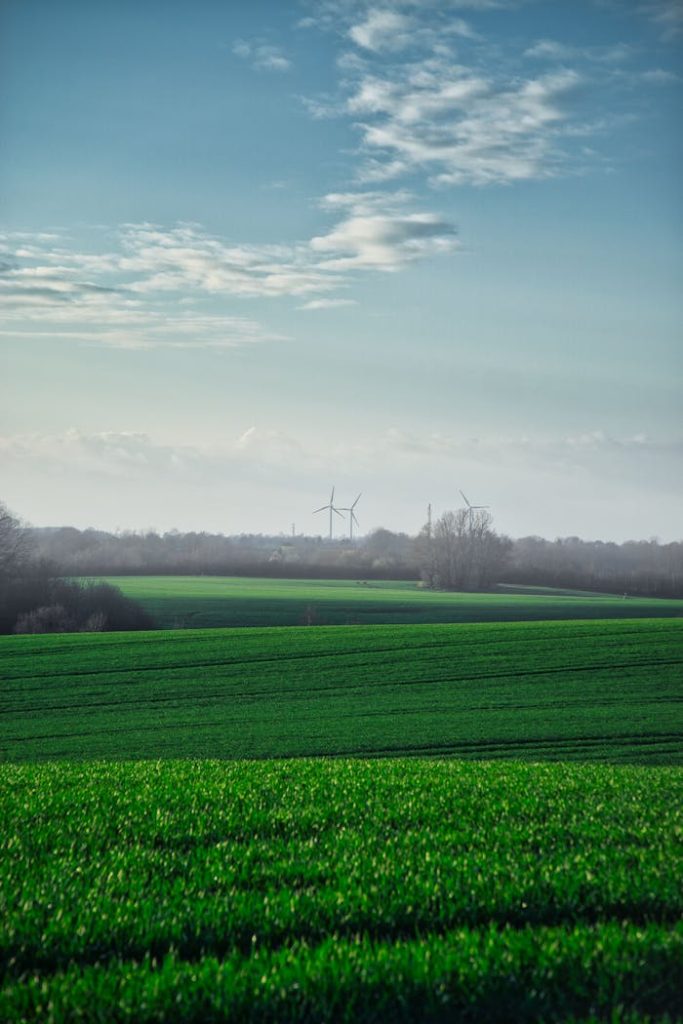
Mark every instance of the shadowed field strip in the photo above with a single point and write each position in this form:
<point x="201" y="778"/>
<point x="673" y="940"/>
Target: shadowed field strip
<point x="611" y="689"/>
<point x="210" y="601"/>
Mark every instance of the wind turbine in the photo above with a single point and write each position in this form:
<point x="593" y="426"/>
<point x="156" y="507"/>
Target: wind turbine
<point x="332" y="509"/>
<point x="352" y="517"/>
<point x="473" y="508"/>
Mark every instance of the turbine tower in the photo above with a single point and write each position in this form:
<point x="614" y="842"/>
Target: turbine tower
<point x="473" y="508"/>
<point x="332" y="509"/>
<point x="352" y="516"/>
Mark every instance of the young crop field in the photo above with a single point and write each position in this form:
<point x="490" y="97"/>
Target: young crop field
<point x="340" y="891"/>
<point x="603" y="690"/>
<point x="207" y="601"/>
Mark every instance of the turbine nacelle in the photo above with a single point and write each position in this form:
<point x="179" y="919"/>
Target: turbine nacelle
<point x="473" y="508"/>
<point x="352" y="516"/>
<point x="332" y="509"/>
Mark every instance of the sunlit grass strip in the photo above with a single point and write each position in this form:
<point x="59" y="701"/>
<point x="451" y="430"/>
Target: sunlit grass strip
<point x="340" y="890"/>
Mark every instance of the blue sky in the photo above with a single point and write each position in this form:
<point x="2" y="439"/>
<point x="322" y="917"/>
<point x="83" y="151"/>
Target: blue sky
<point x="253" y="250"/>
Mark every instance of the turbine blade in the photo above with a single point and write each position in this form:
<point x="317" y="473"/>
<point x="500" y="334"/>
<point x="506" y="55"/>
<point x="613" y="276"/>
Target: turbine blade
<point x="338" y="513"/>
<point x="321" y="509"/>
<point x="356" y="501"/>
<point x="466" y="501"/>
<point x="354" y="517"/>
<point x="332" y="497"/>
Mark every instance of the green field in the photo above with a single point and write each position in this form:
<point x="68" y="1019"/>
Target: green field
<point x="340" y="891"/>
<point x="606" y="690"/>
<point x="149" y="873"/>
<point x="207" y="601"/>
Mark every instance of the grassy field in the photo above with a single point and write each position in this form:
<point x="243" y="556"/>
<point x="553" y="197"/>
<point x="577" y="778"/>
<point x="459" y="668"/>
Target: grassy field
<point x="340" y="891"/>
<point x="606" y="690"/>
<point x="207" y="601"/>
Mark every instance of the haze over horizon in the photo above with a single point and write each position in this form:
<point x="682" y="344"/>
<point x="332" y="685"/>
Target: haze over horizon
<point x="250" y="251"/>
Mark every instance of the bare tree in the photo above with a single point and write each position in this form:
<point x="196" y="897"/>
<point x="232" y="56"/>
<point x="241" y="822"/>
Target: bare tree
<point x="13" y="546"/>
<point x="464" y="553"/>
<point x="34" y="598"/>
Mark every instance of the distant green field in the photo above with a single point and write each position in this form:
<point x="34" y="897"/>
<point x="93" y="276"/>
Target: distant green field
<point x="315" y="892"/>
<point x="609" y="690"/>
<point x="207" y="601"/>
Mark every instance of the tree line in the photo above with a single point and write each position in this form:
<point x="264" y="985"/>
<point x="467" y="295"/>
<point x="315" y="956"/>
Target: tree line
<point x="460" y="551"/>
<point x="44" y="573"/>
<point x="37" y="597"/>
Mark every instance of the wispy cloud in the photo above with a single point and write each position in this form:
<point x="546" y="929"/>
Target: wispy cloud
<point x="47" y="290"/>
<point x="136" y="456"/>
<point x="659" y="76"/>
<point x="326" y="304"/>
<point x="168" y="260"/>
<point x="330" y="14"/>
<point x="132" y="454"/>
<point x="137" y="294"/>
<point x="585" y="455"/>
<point x="431" y="96"/>
<point x="667" y="16"/>
<point x="461" y="126"/>
<point x="383" y="29"/>
<point x="553" y="50"/>
<point x="262" y="56"/>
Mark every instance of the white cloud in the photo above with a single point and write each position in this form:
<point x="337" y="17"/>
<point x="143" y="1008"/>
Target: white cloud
<point x="330" y="14"/>
<point x="376" y="232"/>
<point x="460" y="126"/>
<point x="138" y="297"/>
<point x="261" y="56"/>
<point x="383" y="29"/>
<point x="385" y="242"/>
<point x="48" y="291"/>
<point x="431" y="96"/>
<point x="366" y="202"/>
<point x="169" y="260"/>
<point x="327" y="304"/>
<point x="379" y="233"/>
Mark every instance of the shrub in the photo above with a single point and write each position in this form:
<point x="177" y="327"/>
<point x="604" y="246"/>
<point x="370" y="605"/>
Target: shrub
<point x="51" y="618"/>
